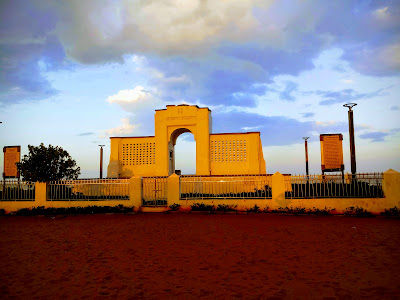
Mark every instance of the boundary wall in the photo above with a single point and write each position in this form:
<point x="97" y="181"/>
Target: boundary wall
<point x="390" y="185"/>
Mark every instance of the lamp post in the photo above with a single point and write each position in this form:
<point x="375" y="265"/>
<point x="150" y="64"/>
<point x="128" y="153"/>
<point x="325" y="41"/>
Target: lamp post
<point x="351" y="136"/>
<point x="101" y="161"/>
<point x="306" y="147"/>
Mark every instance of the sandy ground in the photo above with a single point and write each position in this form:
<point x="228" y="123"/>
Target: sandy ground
<point x="191" y="256"/>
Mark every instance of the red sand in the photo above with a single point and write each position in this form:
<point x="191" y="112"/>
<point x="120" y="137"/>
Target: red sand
<point x="190" y="256"/>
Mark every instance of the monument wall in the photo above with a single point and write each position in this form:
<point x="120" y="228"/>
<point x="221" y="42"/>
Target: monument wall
<point x="236" y="153"/>
<point x="216" y="154"/>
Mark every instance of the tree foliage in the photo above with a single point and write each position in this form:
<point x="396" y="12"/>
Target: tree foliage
<point x="46" y="164"/>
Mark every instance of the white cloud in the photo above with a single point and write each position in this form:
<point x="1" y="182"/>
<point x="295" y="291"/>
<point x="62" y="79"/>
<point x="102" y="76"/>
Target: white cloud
<point x="250" y="128"/>
<point x="129" y="96"/>
<point x="125" y="129"/>
<point x="379" y="60"/>
<point x="348" y="81"/>
<point x="135" y="100"/>
<point x="140" y="103"/>
<point x="325" y="124"/>
<point x="189" y="27"/>
<point x="390" y="56"/>
<point x="381" y="13"/>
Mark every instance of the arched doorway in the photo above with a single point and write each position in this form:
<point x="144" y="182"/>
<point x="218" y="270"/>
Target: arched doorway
<point x="181" y="157"/>
<point x="171" y="123"/>
<point x="185" y="154"/>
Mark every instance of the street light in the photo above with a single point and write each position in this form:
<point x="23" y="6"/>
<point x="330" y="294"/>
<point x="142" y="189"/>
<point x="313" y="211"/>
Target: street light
<point x="351" y="135"/>
<point x="306" y="147"/>
<point x="101" y="161"/>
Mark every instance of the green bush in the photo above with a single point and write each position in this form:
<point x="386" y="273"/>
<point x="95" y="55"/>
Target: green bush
<point x="357" y="211"/>
<point x="175" y="207"/>
<point x="225" y="208"/>
<point x="254" y="209"/>
<point x="391" y="212"/>
<point x="51" y="211"/>
<point x="202" y="207"/>
<point x="266" y="209"/>
<point x="300" y="211"/>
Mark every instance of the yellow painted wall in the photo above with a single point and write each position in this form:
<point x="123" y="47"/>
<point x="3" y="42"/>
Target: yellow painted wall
<point x="373" y="205"/>
<point x="169" y="124"/>
<point x="391" y="187"/>
<point x="132" y="156"/>
<point x="41" y="199"/>
<point x="236" y="153"/>
<point x="390" y="183"/>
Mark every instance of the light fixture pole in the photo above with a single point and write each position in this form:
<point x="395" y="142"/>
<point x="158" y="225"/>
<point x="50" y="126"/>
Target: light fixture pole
<point x="101" y="161"/>
<point x="306" y="147"/>
<point x="351" y="136"/>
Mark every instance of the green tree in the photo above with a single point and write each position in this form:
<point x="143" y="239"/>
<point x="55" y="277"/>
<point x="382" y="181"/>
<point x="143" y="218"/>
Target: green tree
<point x="46" y="164"/>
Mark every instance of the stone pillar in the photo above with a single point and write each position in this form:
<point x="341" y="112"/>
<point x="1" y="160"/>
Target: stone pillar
<point x="173" y="194"/>
<point x="40" y="194"/>
<point x="391" y="187"/>
<point x="278" y="190"/>
<point x="135" y="192"/>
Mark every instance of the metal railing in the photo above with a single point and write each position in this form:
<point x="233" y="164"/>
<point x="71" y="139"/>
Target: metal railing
<point x="226" y="187"/>
<point x="88" y="190"/>
<point x="13" y="190"/>
<point x="154" y="191"/>
<point x="334" y="186"/>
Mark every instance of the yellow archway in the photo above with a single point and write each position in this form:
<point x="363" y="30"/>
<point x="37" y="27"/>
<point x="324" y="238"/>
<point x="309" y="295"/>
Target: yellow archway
<point x="172" y="122"/>
<point x="171" y="147"/>
<point x="216" y="154"/>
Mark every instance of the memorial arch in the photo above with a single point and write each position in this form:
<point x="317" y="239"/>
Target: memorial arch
<point x="171" y="146"/>
<point x="216" y="154"/>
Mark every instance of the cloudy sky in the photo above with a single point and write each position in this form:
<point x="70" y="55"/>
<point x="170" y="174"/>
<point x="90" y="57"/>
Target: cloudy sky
<point x="74" y="73"/>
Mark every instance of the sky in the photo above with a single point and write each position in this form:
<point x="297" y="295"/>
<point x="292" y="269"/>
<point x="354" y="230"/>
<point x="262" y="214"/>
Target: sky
<point x="73" y="73"/>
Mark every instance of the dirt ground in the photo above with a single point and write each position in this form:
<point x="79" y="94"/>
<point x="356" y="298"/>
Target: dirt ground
<point x="191" y="256"/>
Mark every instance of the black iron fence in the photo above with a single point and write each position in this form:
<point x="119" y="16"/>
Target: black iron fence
<point x="368" y="185"/>
<point x="226" y="187"/>
<point x="88" y="190"/>
<point x="15" y="190"/>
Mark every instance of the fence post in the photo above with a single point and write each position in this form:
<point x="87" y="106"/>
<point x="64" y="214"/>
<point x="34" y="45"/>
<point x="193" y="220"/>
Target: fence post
<point x="40" y="194"/>
<point x="391" y="187"/>
<point x="173" y="189"/>
<point x="278" y="189"/>
<point x="135" y="192"/>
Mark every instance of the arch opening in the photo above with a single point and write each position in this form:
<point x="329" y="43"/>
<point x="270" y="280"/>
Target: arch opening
<point x="182" y="155"/>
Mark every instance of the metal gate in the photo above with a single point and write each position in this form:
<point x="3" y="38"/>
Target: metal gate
<point x="154" y="191"/>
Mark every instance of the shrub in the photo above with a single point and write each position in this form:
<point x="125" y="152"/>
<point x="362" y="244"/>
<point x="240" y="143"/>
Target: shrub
<point x="316" y="211"/>
<point x="391" y="212"/>
<point x="357" y="211"/>
<point x="225" y="208"/>
<point x="254" y="209"/>
<point x="175" y="207"/>
<point x="300" y="210"/>
<point x="51" y="211"/>
<point x="202" y="207"/>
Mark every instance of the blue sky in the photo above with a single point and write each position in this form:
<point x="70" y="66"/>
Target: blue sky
<point x="74" y="73"/>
